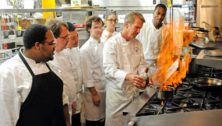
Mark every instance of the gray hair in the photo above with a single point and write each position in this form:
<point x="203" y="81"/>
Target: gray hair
<point x="130" y="18"/>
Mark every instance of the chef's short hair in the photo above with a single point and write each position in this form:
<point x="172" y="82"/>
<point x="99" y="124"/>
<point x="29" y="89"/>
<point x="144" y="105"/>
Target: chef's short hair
<point x="55" y="26"/>
<point x="34" y="33"/>
<point x="160" y="6"/>
<point x="92" y="19"/>
<point x="71" y="26"/>
<point x="130" y="18"/>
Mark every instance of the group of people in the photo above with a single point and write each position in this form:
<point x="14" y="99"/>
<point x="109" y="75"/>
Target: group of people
<point x="53" y="82"/>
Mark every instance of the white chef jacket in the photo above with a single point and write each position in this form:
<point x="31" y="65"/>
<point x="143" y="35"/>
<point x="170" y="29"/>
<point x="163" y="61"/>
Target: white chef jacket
<point x="93" y="76"/>
<point x="73" y="55"/>
<point x="151" y="39"/>
<point x="68" y="61"/>
<point x="105" y="35"/>
<point x="120" y="58"/>
<point x="15" y="85"/>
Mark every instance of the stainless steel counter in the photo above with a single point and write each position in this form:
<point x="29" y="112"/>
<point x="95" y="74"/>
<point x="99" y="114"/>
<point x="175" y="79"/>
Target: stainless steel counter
<point x="139" y="102"/>
<point x="214" y="62"/>
<point x="209" y="45"/>
<point x="198" y="118"/>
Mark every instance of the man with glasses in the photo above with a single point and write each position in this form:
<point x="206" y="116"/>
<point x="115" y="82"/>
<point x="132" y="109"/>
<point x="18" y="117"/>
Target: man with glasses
<point x="61" y="33"/>
<point x="62" y="62"/>
<point x="31" y="93"/>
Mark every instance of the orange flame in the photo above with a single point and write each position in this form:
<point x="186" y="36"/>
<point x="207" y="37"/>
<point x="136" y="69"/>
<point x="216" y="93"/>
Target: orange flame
<point x="172" y="66"/>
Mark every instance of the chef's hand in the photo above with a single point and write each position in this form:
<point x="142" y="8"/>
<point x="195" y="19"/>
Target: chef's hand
<point x="95" y="96"/>
<point x="136" y="80"/>
<point x="96" y="99"/>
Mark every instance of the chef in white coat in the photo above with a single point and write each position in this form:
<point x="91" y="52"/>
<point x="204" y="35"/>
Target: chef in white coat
<point x="151" y="34"/>
<point x="31" y="93"/>
<point x="110" y="30"/>
<point x="60" y="62"/>
<point x="72" y="53"/>
<point x="123" y="60"/>
<point x="93" y="74"/>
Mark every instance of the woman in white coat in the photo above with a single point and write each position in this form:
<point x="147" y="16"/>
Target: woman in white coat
<point x="110" y="30"/>
<point x="123" y="59"/>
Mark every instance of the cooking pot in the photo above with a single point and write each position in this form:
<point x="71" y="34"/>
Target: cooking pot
<point x="207" y="84"/>
<point x="165" y="93"/>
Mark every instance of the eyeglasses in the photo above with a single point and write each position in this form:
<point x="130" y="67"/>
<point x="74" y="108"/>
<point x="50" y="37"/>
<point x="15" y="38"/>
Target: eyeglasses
<point x="112" y="20"/>
<point x="49" y="43"/>
<point x="64" y="37"/>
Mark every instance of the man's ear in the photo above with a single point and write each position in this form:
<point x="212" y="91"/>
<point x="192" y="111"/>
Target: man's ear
<point x="37" y="45"/>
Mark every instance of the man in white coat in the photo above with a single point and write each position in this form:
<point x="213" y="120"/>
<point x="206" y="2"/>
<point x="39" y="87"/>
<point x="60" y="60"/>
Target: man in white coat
<point x="123" y="60"/>
<point x="72" y="53"/>
<point x="60" y="62"/>
<point x="151" y="34"/>
<point x="93" y="74"/>
<point x="67" y="59"/>
<point x="31" y="93"/>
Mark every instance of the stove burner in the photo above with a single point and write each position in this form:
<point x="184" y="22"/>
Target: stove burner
<point x="186" y="98"/>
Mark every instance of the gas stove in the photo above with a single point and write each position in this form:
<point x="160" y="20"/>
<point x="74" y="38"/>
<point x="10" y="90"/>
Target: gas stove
<point x="185" y="99"/>
<point x="187" y="103"/>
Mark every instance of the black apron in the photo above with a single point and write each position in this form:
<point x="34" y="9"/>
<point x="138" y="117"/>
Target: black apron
<point x="43" y="106"/>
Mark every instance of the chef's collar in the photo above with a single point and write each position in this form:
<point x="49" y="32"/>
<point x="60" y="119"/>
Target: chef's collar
<point x="123" y="39"/>
<point x="29" y="60"/>
<point x="94" y="40"/>
<point x="105" y="32"/>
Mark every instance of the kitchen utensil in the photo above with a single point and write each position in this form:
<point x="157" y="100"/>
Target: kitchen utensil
<point x="207" y="84"/>
<point x="165" y="93"/>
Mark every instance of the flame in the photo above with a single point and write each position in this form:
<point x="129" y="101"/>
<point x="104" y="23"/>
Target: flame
<point x="172" y="66"/>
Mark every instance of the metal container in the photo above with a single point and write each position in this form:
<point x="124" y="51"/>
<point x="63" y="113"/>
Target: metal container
<point x="166" y="93"/>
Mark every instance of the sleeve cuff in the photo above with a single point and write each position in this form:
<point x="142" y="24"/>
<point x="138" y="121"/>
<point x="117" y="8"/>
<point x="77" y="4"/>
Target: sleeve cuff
<point x="121" y="76"/>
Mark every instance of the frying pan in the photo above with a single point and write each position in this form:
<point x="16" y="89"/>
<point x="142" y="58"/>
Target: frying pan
<point x="207" y="84"/>
<point x="164" y="94"/>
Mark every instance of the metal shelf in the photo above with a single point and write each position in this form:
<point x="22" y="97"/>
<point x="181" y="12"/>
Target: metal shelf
<point x="148" y="9"/>
<point x="17" y="39"/>
<point x="51" y="10"/>
<point x="8" y="50"/>
<point x="7" y="54"/>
